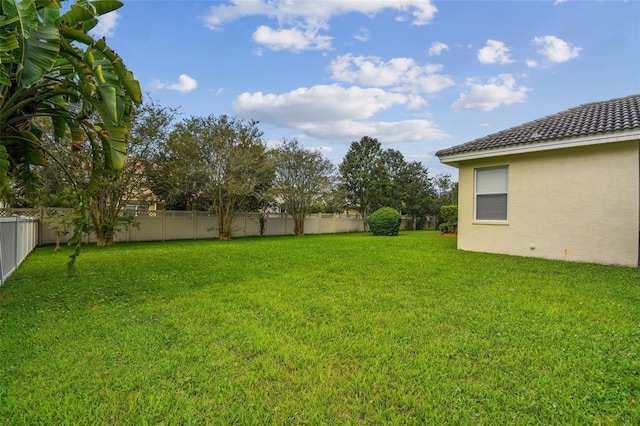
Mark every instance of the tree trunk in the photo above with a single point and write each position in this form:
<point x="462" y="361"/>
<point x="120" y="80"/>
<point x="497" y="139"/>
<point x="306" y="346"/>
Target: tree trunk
<point x="104" y="236"/>
<point x="225" y="221"/>
<point x="365" y="219"/>
<point x="298" y="225"/>
<point x="223" y="234"/>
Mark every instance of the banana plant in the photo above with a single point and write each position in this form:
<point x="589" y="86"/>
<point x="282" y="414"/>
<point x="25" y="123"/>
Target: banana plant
<point x="50" y="66"/>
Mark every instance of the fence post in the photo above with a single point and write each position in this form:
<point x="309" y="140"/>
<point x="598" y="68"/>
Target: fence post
<point x="1" y="262"/>
<point x="17" y="241"/>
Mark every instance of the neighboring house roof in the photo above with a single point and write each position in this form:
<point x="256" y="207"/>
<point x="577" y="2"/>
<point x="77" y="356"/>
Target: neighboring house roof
<point x="585" y="121"/>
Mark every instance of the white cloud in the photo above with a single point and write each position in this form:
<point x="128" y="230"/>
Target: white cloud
<point x="556" y="50"/>
<point x="402" y="74"/>
<point x="362" y="35"/>
<point x="333" y="112"/>
<point x="185" y="84"/>
<point x="494" y="52"/>
<point x="385" y="131"/>
<point x="303" y="17"/>
<point x="291" y="39"/>
<point x="437" y="48"/>
<point x="422" y="11"/>
<point x="498" y="91"/>
<point x="323" y="149"/>
<point x="531" y="63"/>
<point x="106" y="25"/>
<point x="322" y="103"/>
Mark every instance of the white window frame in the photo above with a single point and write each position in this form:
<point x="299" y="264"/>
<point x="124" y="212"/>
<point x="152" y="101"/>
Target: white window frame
<point x="497" y="190"/>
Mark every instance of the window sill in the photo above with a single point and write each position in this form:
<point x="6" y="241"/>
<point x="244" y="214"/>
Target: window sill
<point x="491" y="222"/>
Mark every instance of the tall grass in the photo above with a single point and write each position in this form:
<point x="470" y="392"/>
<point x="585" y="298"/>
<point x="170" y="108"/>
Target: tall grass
<point x="326" y="329"/>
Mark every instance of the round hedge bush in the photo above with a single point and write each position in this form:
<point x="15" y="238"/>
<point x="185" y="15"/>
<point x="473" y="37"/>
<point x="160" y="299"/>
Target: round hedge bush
<point x="385" y="221"/>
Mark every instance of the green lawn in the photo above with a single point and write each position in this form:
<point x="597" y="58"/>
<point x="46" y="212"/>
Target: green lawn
<point x="331" y="329"/>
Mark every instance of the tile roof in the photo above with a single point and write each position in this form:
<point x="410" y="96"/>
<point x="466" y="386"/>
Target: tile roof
<point x="589" y="119"/>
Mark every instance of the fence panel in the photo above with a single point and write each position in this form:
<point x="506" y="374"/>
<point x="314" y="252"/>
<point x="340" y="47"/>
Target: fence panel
<point x="185" y="225"/>
<point x="147" y="229"/>
<point x="18" y="237"/>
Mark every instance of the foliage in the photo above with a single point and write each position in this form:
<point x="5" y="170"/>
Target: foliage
<point x="62" y="222"/>
<point x="50" y="67"/>
<point x="365" y="176"/>
<point x="147" y="125"/>
<point x="220" y="161"/>
<point x="395" y="166"/>
<point x="446" y="191"/>
<point x="449" y="215"/>
<point x="415" y="191"/>
<point x="374" y="178"/>
<point x="334" y="201"/>
<point x="302" y="179"/>
<point x="404" y="330"/>
<point x="385" y="221"/>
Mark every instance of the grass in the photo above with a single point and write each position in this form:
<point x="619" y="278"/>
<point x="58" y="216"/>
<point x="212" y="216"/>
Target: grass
<point x="326" y="329"/>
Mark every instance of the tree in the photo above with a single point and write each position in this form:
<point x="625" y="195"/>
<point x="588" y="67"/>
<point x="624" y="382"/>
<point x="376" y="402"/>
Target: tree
<point x="220" y="160"/>
<point x="51" y="67"/>
<point x="302" y="178"/>
<point x="365" y="176"/>
<point x="149" y="126"/>
<point x="395" y="165"/>
<point x="446" y="190"/>
<point x="160" y="178"/>
<point x="416" y="191"/>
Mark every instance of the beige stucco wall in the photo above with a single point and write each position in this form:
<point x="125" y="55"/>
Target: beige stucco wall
<point x="578" y="204"/>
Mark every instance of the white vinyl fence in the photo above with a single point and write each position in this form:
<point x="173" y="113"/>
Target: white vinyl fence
<point x="18" y="236"/>
<point x="165" y="225"/>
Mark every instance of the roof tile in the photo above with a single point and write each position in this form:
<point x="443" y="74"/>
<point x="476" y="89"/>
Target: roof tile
<point x="589" y="119"/>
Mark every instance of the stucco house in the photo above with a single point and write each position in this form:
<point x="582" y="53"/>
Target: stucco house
<point x="566" y="186"/>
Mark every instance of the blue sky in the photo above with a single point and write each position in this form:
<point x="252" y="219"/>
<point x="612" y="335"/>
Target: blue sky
<point x="417" y="75"/>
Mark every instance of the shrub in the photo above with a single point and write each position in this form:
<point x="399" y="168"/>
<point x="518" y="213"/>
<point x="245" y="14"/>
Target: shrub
<point x="449" y="215"/>
<point x="385" y="221"/>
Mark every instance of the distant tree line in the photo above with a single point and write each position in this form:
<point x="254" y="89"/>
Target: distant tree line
<point x="223" y="164"/>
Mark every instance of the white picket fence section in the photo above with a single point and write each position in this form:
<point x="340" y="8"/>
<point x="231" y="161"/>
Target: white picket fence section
<point x="18" y="237"/>
<point x="170" y="225"/>
<point x="21" y="230"/>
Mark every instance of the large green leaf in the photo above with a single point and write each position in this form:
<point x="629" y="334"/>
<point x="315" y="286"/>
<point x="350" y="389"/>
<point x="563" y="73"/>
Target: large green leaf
<point x="41" y="53"/>
<point x="59" y="126"/>
<point x="106" y="6"/>
<point x="49" y="15"/>
<point x="108" y="94"/>
<point x="26" y="12"/>
<point x="52" y="4"/>
<point x="24" y="144"/>
<point x="115" y="147"/>
<point x="4" y="81"/>
<point x="4" y="165"/>
<point x="76" y="15"/>
<point x="90" y="24"/>
<point x="9" y="40"/>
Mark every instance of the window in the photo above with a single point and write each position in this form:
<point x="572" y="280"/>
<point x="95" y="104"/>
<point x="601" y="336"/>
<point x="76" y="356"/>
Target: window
<point x="492" y="190"/>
